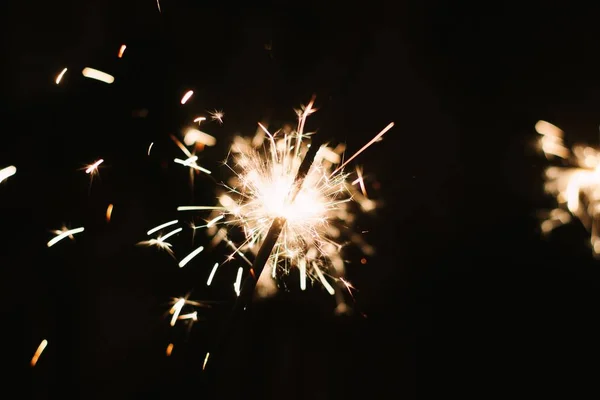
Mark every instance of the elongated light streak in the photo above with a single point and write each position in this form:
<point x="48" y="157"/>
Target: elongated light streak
<point x="7" y="172"/>
<point x="169" y="349"/>
<point x="109" y="211"/>
<point x="189" y="257"/>
<point x="326" y="284"/>
<point x="196" y="208"/>
<point x="205" y="361"/>
<point x="150" y="147"/>
<point x="237" y="286"/>
<point x="97" y="75"/>
<point x="38" y="352"/>
<point x="176" y="309"/>
<point x="161" y="226"/>
<point x="191" y="162"/>
<point x="60" y="76"/>
<point x="94" y="166"/>
<point x="187" y="96"/>
<point x="212" y="274"/>
<point x="168" y="235"/>
<point x="122" y="50"/>
<point x="376" y="138"/>
<point x="63" y="235"/>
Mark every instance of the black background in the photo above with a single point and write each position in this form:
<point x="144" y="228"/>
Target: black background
<point x="463" y="297"/>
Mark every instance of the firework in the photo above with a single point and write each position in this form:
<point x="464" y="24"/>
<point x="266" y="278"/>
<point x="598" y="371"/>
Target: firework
<point x="575" y="183"/>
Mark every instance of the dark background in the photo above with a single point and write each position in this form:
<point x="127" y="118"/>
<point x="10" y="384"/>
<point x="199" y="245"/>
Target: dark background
<point x="463" y="299"/>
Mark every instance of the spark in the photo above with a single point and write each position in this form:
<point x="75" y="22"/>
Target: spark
<point x="318" y="210"/>
<point x="199" y="120"/>
<point x="158" y="5"/>
<point x="360" y="180"/>
<point x="193" y="316"/>
<point x="189" y="257"/>
<point x="212" y="274"/>
<point x="161" y="226"/>
<point x="150" y="147"/>
<point x="197" y="208"/>
<point x="60" y="76"/>
<point x="93" y="168"/>
<point x="177" y="307"/>
<point x="217" y="115"/>
<point x="109" y="211"/>
<point x="160" y="242"/>
<point x="238" y="281"/>
<point x="97" y="75"/>
<point x="63" y="234"/>
<point x="575" y="183"/>
<point x="205" y="361"/>
<point x="169" y="349"/>
<point x="194" y="136"/>
<point x="38" y="352"/>
<point x="122" y="50"/>
<point x="187" y="96"/>
<point x="7" y="172"/>
<point x="191" y="162"/>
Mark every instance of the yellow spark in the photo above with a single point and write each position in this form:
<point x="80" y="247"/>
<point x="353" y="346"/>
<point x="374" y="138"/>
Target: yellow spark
<point x="360" y="180"/>
<point x="173" y="232"/>
<point x="161" y="226"/>
<point x="169" y="349"/>
<point x="187" y="96"/>
<point x="38" y="352"/>
<point x="176" y="310"/>
<point x="197" y="208"/>
<point x="64" y="234"/>
<point x="122" y="50"/>
<point x="217" y="115"/>
<point x="212" y="274"/>
<point x="160" y="242"/>
<point x="205" y="361"/>
<point x="375" y="139"/>
<point x="97" y="75"/>
<point x="7" y="172"/>
<point x="60" y="76"/>
<point x="191" y="162"/>
<point x="237" y="286"/>
<point x="93" y="168"/>
<point x="576" y="185"/>
<point x="199" y="120"/>
<point x="193" y="316"/>
<point x="109" y="211"/>
<point x="326" y="284"/>
<point x="193" y="136"/>
<point x="150" y="147"/>
<point x="189" y="257"/>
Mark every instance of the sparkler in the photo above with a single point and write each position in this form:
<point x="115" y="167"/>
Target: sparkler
<point x="290" y="199"/>
<point x="575" y="183"/>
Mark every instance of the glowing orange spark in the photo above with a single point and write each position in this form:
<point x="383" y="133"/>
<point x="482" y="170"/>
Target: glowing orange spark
<point x="122" y="50"/>
<point x="109" y="211"/>
<point x="38" y="352"/>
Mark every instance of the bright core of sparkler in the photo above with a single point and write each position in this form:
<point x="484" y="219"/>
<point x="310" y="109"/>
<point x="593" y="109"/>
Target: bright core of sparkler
<point x="575" y="184"/>
<point x="316" y="210"/>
